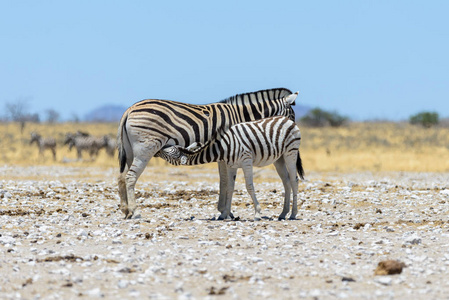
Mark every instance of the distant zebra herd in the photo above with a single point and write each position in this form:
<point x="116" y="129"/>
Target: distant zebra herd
<point x="238" y="132"/>
<point x="81" y="141"/>
<point x="90" y="144"/>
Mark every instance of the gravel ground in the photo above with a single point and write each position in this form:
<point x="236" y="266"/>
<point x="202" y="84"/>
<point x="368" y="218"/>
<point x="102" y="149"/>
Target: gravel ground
<point x="63" y="237"/>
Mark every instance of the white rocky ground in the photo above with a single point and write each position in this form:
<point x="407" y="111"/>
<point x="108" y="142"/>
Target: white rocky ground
<point x="63" y="237"/>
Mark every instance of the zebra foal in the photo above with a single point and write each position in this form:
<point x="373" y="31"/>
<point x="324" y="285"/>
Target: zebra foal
<point x="44" y="143"/>
<point x="273" y="140"/>
<point x="149" y="125"/>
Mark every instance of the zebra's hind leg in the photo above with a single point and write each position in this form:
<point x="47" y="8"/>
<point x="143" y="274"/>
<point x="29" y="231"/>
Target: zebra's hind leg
<point x="136" y="169"/>
<point x="283" y="173"/>
<point x="248" y="172"/>
<point x="292" y="171"/>
<point x="142" y="152"/>
<point x="122" y="191"/>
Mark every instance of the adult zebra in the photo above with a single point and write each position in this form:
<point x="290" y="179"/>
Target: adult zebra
<point x="273" y="140"/>
<point x="44" y="143"/>
<point x="151" y="124"/>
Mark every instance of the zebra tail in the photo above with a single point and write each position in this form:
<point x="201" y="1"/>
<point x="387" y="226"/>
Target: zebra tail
<point x="299" y="167"/>
<point x="120" y="145"/>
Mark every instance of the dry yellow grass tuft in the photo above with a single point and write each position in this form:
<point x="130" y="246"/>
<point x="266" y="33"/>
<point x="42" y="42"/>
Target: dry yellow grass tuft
<point x="355" y="147"/>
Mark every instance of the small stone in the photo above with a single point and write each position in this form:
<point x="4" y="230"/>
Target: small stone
<point x="383" y="280"/>
<point x="95" y="293"/>
<point x="348" y="279"/>
<point x="389" y="229"/>
<point x="122" y="284"/>
<point x="413" y="240"/>
<point x="389" y="267"/>
<point x="82" y="232"/>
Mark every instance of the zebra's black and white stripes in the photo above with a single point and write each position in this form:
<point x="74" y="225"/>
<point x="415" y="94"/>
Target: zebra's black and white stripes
<point x="44" y="143"/>
<point x="85" y="142"/>
<point x="244" y="145"/>
<point x="149" y="125"/>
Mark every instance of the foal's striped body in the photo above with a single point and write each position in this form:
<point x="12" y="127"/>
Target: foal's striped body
<point x="273" y="140"/>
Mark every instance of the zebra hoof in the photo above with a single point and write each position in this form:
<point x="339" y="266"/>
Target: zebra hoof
<point x="281" y="218"/>
<point x="125" y="212"/>
<point x="224" y="216"/>
<point x="292" y="218"/>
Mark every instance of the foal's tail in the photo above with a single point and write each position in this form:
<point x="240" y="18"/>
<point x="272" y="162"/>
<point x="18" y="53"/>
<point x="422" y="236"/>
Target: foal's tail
<point x="299" y="167"/>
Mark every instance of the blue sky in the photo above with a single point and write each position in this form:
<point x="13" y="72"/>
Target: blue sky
<point x="364" y="59"/>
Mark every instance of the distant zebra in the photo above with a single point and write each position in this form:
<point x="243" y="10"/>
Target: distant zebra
<point x="85" y="142"/>
<point x="257" y="143"/>
<point x="110" y="145"/>
<point x="149" y="125"/>
<point x="44" y="143"/>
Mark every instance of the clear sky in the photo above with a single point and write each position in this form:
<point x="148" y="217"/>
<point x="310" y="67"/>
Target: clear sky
<point x="377" y="59"/>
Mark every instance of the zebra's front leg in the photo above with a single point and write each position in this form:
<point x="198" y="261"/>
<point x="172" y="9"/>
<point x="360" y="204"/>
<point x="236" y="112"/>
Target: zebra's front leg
<point x="282" y="171"/>
<point x="248" y="172"/>
<point x="223" y="193"/>
<point x="78" y="151"/>
<point x="230" y="183"/>
<point x="53" y="150"/>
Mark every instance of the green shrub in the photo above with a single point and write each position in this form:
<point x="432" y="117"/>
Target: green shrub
<point x="320" y="118"/>
<point x="426" y="119"/>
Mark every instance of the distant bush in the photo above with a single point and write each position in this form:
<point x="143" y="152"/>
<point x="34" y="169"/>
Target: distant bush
<point x="320" y="118"/>
<point x="426" y="119"/>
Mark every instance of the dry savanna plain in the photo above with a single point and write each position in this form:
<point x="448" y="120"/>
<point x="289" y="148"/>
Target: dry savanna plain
<point x="373" y="192"/>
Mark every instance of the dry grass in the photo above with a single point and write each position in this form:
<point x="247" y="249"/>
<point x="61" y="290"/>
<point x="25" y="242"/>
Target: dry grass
<point x="376" y="147"/>
<point x="356" y="147"/>
<point x="16" y="149"/>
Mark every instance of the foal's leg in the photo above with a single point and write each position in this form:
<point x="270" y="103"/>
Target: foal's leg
<point x="248" y="172"/>
<point x="283" y="173"/>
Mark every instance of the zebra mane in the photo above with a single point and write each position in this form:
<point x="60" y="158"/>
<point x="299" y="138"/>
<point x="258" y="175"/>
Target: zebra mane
<point x="273" y="94"/>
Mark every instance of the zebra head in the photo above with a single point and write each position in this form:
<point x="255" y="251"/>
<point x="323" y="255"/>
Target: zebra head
<point x="69" y="140"/>
<point x="173" y="155"/>
<point x="35" y="137"/>
<point x="289" y="102"/>
<point x="177" y="155"/>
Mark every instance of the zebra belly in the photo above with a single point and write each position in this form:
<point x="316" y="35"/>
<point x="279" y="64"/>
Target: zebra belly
<point x="265" y="162"/>
<point x="254" y="161"/>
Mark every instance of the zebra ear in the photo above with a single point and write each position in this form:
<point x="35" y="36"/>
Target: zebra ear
<point x="291" y="98"/>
